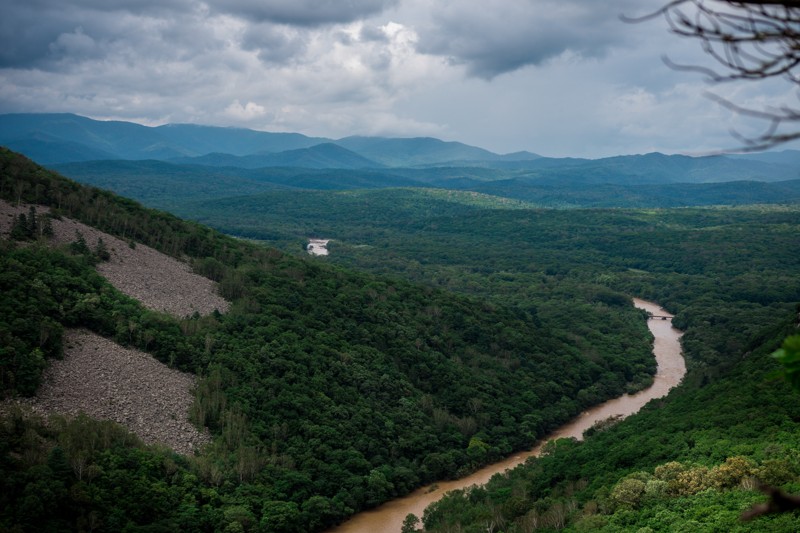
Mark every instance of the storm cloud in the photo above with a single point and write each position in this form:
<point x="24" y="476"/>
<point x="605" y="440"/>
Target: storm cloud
<point x="302" y="12"/>
<point x="41" y="34"/>
<point x="556" y="77"/>
<point x="505" y="35"/>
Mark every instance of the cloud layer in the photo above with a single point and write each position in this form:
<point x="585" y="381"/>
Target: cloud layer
<point x="505" y="35"/>
<point x="558" y="77"/>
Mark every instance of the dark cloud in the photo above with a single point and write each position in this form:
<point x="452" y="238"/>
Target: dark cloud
<point x="45" y="34"/>
<point x="274" y="44"/>
<point x="491" y="39"/>
<point x="138" y="7"/>
<point x="339" y="67"/>
<point x="307" y="13"/>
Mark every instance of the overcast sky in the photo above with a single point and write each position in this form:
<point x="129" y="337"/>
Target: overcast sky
<point x="555" y="77"/>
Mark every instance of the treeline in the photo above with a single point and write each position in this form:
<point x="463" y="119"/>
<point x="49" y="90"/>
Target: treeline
<point x="23" y="181"/>
<point x="328" y="391"/>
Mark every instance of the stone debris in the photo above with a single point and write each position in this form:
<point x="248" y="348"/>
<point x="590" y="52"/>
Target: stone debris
<point x="109" y="382"/>
<point x="157" y="280"/>
<point x="318" y="246"/>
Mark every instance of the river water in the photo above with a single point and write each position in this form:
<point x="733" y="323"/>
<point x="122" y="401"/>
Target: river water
<point x="388" y="518"/>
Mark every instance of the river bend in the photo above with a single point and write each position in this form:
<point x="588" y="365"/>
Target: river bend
<point x="388" y="518"/>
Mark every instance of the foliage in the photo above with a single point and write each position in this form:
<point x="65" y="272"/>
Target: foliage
<point x="789" y="357"/>
<point x="690" y="463"/>
<point x="651" y="180"/>
<point x="330" y="390"/>
<point x="31" y="226"/>
<point x="43" y="291"/>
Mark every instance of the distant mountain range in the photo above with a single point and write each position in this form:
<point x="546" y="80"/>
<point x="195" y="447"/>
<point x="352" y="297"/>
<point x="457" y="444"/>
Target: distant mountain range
<point x="184" y="162"/>
<point x="67" y="138"/>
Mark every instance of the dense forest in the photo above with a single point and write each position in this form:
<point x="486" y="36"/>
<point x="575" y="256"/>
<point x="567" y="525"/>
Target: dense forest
<point x="328" y="390"/>
<point x="446" y="330"/>
<point x="691" y="463"/>
<point x="726" y="271"/>
<point x="167" y="184"/>
<point x="729" y="273"/>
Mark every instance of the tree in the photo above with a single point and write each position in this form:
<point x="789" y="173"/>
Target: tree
<point x="79" y="246"/>
<point x="410" y="523"/>
<point x="751" y="40"/>
<point x="101" y="251"/>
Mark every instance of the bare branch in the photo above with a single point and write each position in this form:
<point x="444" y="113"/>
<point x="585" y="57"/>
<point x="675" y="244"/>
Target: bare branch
<point x="748" y="40"/>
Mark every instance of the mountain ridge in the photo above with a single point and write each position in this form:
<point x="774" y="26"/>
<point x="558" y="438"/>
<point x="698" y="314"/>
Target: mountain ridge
<point x="57" y="139"/>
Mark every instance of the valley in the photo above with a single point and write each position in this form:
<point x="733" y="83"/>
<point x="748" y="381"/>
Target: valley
<point x="469" y="306"/>
<point x="389" y="517"/>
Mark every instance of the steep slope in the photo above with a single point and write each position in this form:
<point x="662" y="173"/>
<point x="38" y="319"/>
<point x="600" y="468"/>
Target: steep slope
<point x="102" y="379"/>
<point x="158" y="281"/>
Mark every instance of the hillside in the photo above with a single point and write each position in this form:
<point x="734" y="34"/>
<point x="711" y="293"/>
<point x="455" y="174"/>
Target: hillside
<point x="101" y="378"/>
<point x="324" y="155"/>
<point x="179" y="187"/>
<point x="730" y="274"/>
<point x="326" y="390"/>
<point x="692" y="463"/>
<point x="105" y="381"/>
<point x="329" y="390"/>
<point x="64" y="137"/>
<point x="156" y="280"/>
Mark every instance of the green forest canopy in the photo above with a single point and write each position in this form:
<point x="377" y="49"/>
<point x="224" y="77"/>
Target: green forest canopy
<point x="330" y="390"/>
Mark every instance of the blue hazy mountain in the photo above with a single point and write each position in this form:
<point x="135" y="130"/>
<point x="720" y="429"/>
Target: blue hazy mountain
<point x="72" y="138"/>
<point x="325" y="155"/>
<point x="420" y="151"/>
<point x="126" y="140"/>
<point x="67" y="138"/>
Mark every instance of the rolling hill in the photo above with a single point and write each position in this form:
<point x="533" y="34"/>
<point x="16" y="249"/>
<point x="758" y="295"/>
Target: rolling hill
<point x="65" y="138"/>
<point x="327" y="390"/>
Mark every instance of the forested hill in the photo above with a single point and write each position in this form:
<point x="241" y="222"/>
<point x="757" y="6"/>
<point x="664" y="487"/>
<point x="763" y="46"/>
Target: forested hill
<point x="327" y="390"/>
<point x="693" y="463"/>
<point x="729" y="274"/>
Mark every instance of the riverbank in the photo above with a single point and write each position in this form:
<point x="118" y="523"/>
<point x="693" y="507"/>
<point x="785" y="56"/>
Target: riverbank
<point x="388" y="518"/>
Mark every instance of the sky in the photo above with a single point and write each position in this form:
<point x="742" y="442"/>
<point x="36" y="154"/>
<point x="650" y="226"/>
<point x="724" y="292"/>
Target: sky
<point x="555" y="77"/>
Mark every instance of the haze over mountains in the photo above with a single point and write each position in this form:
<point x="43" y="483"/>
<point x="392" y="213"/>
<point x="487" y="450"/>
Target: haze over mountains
<point x="63" y="138"/>
<point x="179" y="162"/>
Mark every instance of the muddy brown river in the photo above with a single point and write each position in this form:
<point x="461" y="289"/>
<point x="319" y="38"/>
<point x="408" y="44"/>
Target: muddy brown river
<point x="388" y="518"/>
